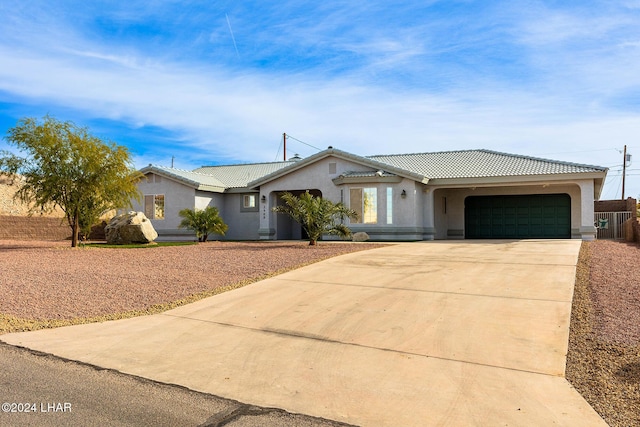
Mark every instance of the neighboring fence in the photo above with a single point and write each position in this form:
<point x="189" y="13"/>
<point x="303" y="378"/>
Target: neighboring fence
<point x="33" y="228"/>
<point x="609" y="224"/>
<point x="632" y="230"/>
<point x="629" y="204"/>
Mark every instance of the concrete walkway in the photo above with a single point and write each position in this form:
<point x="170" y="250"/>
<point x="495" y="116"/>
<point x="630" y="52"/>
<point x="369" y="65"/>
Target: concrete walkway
<point x="416" y="334"/>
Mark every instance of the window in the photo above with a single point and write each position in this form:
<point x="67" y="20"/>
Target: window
<point x="365" y="202"/>
<point x="249" y="201"/>
<point x="389" y="205"/>
<point x="154" y="206"/>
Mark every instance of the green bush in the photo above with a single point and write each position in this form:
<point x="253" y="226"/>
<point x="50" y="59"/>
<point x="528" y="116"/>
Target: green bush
<point x="203" y="222"/>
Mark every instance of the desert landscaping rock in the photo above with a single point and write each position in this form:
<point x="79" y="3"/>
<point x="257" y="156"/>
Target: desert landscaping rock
<point x="130" y="227"/>
<point x="360" y="236"/>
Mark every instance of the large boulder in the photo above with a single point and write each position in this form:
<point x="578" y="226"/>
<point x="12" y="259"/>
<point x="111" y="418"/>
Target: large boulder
<point x="360" y="237"/>
<point x="130" y="227"/>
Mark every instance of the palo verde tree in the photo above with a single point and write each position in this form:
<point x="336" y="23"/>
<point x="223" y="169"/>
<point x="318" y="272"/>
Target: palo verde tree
<point x="64" y="165"/>
<point x="203" y="222"/>
<point x="316" y="215"/>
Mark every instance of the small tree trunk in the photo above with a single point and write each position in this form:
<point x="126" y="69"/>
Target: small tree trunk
<point x="312" y="242"/>
<point x="75" y="228"/>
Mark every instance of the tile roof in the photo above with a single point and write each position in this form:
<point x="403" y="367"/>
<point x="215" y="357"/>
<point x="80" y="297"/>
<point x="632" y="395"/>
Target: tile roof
<point x="238" y="176"/>
<point x="438" y="165"/>
<point x="195" y="179"/>
<point x="479" y="164"/>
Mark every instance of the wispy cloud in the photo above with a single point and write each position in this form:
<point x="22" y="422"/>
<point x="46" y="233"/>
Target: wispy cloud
<point x="371" y="79"/>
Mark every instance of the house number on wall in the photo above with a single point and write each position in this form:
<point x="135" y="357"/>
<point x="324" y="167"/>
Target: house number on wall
<point x="264" y="212"/>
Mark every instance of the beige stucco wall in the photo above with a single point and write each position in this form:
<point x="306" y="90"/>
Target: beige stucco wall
<point x="315" y="176"/>
<point x="177" y="196"/>
<point x="407" y="211"/>
<point x="243" y="223"/>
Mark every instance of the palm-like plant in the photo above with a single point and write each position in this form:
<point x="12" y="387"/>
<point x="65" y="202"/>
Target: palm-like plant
<point x="203" y="222"/>
<point x="316" y="215"/>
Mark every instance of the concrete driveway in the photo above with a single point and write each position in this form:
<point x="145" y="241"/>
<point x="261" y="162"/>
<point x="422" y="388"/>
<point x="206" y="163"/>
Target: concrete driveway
<point x="415" y="334"/>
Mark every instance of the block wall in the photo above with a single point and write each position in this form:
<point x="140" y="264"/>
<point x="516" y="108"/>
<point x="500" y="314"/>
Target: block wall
<point x="33" y="228"/>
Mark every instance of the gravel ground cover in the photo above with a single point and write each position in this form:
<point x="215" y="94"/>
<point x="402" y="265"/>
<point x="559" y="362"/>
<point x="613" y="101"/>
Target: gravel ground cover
<point x="45" y="284"/>
<point x="603" y="362"/>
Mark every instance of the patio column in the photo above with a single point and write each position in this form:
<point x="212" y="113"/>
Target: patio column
<point x="266" y="232"/>
<point x="429" y="232"/>
<point x="587" y="229"/>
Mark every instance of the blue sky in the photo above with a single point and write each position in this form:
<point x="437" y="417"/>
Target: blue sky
<point x="211" y="82"/>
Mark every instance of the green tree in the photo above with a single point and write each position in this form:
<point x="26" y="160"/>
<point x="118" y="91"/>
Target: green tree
<point x="64" y="165"/>
<point x="316" y="215"/>
<point x="203" y="222"/>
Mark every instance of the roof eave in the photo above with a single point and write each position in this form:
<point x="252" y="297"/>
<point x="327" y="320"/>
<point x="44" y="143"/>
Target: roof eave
<point x="365" y="179"/>
<point x="518" y="179"/>
<point x="342" y="155"/>
<point x="163" y="173"/>
<point x="240" y="190"/>
<point x="211" y="188"/>
<point x="181" y="179"/>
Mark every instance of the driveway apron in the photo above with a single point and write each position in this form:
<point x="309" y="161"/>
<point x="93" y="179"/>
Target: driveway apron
<point x="414" y="334"/>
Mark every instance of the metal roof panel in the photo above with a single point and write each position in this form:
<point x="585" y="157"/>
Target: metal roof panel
<point x="479" y="164"/>
<point x="238" y="176"/>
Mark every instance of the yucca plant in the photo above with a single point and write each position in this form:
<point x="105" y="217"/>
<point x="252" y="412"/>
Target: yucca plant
<point x="203" y="222"/>
<point x="316" y="215"/>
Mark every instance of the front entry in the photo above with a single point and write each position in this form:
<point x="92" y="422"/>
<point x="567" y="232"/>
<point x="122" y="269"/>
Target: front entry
<point x="286" y="228"/>
<point x="538" y="216"/>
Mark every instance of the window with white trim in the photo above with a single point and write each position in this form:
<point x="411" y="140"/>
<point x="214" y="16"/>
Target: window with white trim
<point x="249" y="201"/>
<point x="154" y="206"/>
<point x="365" y="202"/>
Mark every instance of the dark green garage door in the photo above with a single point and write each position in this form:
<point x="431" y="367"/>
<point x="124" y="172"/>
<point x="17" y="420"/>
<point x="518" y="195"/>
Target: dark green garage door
<point x="541" y="216"/>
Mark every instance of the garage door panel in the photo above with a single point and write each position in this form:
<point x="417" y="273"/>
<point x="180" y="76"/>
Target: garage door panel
<point x="519" y="216"/>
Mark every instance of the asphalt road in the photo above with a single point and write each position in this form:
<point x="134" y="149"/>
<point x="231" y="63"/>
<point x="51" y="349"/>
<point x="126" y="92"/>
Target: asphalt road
<point x="40" y="389"/>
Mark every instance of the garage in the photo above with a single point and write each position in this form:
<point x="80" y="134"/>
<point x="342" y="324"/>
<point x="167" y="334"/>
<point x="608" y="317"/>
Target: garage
<point x="538" y="216"/>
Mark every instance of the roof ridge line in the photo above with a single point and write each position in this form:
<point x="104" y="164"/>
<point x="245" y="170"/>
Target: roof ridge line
<point x="426" y="152"/>
<point x="169" y="169"/>
<point x="247" y="164"/>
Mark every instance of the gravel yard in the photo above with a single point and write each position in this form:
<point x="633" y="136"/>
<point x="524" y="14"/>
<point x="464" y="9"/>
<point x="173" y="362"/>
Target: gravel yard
<point x="603" y="362"/>
<point x="51" y="284"/>
<point x="45" y="280"/>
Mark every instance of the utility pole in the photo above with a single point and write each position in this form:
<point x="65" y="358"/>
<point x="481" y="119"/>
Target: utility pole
<point x="284" y="144"/>
<point x="624" y="169"/>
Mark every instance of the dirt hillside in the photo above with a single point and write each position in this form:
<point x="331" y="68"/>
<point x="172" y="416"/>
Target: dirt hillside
<point x="13" y="207"/>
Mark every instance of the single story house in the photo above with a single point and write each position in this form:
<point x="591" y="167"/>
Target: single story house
<point x="469" y="194"/>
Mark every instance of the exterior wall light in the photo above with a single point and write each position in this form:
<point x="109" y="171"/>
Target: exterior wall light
<point x="263" y="198"/>
<point x="403" y="194"/>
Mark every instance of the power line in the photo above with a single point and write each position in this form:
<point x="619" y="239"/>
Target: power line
<point x="305" y="143"/>
<point x="278" y="152"/>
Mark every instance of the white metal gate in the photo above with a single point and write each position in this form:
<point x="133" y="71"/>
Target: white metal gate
<point x="609" y="224"/>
